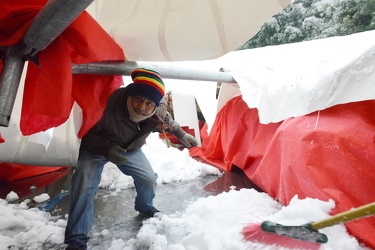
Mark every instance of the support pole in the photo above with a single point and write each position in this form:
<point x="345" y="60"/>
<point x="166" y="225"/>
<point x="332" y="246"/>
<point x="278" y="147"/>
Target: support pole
<point x="9" y="82"/>
<point x="50" y="22"/>
<point x="165" y="70"/>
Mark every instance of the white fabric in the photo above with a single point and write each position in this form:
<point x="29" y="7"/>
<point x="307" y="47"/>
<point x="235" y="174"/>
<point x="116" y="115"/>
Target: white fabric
<point x="174" y="30"/>
<point x="185" y="112"/>
<point x="205" y="95"/>
<point x="227" y="92"/>
<point x="54" y="147"/>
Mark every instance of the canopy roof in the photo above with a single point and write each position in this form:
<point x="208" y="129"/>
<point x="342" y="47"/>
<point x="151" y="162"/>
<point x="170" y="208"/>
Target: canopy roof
<point x="182" y="30"/>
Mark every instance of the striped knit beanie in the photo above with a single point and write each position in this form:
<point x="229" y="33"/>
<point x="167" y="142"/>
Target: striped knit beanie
<point x="148" y="83"/>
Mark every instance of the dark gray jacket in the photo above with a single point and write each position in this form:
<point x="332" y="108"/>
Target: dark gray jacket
<point x="116" y="128"/>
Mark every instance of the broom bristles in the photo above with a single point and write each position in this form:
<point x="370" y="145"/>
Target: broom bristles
<point x="253" y="232"/>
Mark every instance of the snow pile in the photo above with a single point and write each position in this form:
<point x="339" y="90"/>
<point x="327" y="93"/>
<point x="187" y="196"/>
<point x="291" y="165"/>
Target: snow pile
<point x="216" y="222"/>
<point x="21" y="227"/>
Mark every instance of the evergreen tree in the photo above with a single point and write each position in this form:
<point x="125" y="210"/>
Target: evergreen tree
<point x="305" y="20"/>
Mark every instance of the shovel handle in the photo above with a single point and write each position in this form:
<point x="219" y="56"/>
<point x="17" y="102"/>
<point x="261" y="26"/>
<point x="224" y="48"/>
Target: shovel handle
<point x="365" y="210"/>
<point x="166" y="139"/>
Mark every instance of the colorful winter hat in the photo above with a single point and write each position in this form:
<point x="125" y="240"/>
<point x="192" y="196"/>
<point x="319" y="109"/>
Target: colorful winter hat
<point x="148" y="83"/>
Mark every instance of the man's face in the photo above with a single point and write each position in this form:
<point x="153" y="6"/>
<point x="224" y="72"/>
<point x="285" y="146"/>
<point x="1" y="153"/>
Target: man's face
<point x="142" y="105"/>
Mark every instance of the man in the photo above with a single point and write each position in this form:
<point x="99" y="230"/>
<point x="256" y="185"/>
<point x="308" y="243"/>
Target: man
<point x="131" y="114"/>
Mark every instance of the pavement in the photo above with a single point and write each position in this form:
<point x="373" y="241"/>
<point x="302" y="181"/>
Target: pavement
<point x="116" y="213"/>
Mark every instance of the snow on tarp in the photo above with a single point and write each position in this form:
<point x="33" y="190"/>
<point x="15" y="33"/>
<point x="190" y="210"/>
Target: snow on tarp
<point x="328" y="154"/>
<point x="296" y="79"/>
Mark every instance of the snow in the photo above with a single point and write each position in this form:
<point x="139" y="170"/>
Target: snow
<point x="41" y="198"/>
<point x="211" y="223"/>
<point x="12" y="196"/>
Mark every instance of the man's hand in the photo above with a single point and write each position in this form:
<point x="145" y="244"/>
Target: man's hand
<point x="188" y="140"/>
<point x="116" y="155"/>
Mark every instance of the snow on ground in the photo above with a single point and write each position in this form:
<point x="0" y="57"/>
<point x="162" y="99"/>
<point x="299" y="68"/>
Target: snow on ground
<point x="211" y="223"/>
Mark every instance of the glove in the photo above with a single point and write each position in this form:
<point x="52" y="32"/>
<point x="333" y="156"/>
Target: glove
<point x="115" y="155"/>
<point x="188" y="140"/>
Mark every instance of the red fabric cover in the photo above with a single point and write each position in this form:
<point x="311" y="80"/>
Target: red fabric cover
<point x="41" y="182"/>
<point x="12" y="172"/>
<point x="50" y="88"/>
<point x="236" y="138"/>
<point x="326" y="155"/>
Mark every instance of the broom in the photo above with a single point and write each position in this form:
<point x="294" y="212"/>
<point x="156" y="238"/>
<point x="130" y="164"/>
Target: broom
<point x="304" y="236"/>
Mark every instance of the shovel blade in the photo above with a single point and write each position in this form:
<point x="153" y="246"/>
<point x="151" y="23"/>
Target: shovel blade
<point x="303" y="232"/>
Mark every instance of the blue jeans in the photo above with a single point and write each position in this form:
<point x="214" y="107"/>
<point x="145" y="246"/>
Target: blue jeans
<point x="85" y="182"/>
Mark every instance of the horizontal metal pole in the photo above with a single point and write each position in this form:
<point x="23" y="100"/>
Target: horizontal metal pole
<point x="50" y="22"/>
<point x="165" y="70"/>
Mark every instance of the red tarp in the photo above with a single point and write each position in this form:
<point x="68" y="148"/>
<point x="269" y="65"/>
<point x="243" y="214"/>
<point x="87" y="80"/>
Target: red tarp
<point x="326" y="155"/>
<point x="12" y="172"/>
<point x="14" y="177"/>
<point x="50" y="88"/>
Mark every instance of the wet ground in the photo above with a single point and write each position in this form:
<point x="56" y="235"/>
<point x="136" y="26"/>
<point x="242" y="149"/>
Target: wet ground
<point x="116" y="213"/>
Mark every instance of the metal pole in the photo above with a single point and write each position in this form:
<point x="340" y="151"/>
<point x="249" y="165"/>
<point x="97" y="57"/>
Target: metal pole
<point x="50" y="22"/>
<point x="9" y="82"/>
<point x="165" y="70"/>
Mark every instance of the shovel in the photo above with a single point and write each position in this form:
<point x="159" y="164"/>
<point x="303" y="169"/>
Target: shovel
<point x="307" y="232"/>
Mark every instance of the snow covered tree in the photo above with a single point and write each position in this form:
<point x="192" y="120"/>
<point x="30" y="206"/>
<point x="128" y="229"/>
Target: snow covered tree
<point x="305" y="20"/>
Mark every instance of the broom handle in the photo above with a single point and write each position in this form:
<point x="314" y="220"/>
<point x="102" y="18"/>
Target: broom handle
<point x="352" y="214"/>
